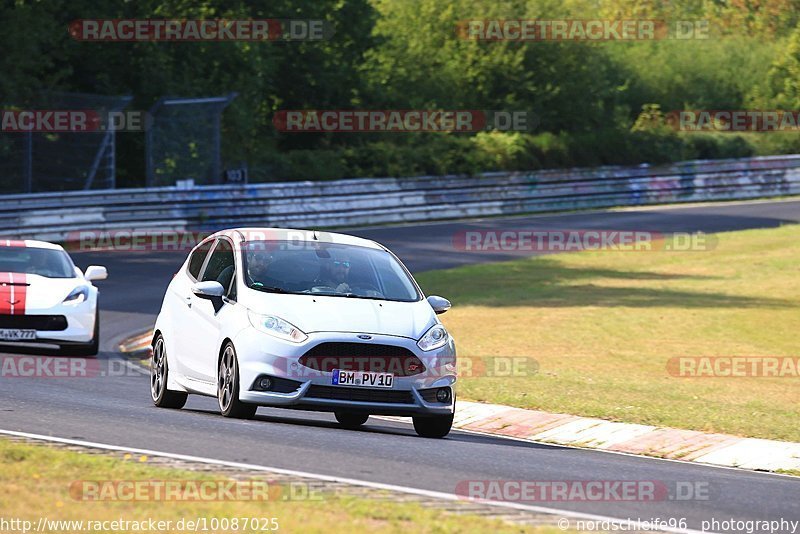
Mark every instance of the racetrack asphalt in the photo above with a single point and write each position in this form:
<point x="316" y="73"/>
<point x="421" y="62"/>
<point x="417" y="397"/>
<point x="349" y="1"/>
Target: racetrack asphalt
<point x="117" y="409"/>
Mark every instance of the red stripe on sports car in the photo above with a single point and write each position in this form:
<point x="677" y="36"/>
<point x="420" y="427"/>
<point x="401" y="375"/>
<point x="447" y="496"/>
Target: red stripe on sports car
<point x="5" y="293"/>
<point x="13" y="293"/>
<point x="12" y="243"/>
<point x="20" y="285"/>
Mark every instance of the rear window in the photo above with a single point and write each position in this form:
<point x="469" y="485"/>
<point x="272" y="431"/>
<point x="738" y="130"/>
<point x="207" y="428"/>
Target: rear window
<point x="50" y="263"/>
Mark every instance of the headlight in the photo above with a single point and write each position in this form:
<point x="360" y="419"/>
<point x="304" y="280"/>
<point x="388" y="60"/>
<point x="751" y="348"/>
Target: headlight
<point x="78" y="295"/>
<point x="434" y="338"/>
<point x="275" y="326"/>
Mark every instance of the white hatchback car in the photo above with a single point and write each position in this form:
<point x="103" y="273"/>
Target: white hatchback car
<point x="304" y="320"/>
<point x="46" y="300"/>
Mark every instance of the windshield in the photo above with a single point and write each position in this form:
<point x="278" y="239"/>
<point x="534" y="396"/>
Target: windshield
<point x="45" y="262"/>
<point x="326" y="269"/>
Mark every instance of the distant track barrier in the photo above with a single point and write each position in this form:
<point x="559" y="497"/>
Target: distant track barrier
<point x="53" y="216"/>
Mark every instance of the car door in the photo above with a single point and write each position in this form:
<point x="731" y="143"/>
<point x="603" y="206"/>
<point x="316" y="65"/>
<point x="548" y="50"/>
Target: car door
<point x="208" y="319"/>
<point x="179" y="303"/>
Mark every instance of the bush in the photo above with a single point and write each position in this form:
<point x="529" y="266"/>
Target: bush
<point x="441" y="154"/>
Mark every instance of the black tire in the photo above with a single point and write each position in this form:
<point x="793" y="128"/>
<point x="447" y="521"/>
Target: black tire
<point x="87" y="349"/>
<point x="159" y="373"/>
<point x="228" y="387"/>
<point x="437" y="426"/>
<point x="351" y="420"/>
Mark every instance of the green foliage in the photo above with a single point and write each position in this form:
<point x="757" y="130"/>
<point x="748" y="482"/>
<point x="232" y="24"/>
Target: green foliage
<point x="597" y="103"/>
<point x="650" y="119"/>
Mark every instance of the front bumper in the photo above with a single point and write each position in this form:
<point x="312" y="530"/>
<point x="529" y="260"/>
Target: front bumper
<point x="79" y="329"/>
<point x="261" y="355"/>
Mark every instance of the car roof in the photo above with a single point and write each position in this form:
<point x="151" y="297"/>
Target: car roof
<point x="290" y="234"/>
<point x="29" y="243"/>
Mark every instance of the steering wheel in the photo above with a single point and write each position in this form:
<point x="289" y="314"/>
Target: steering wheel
<point x="323" y="289"/>
<point x="367" y="289"/>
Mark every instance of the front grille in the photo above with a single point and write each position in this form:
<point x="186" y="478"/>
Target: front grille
<point x="34" y="322"/>
<point x="358" y="394"/>
<point x="372" y="357"/>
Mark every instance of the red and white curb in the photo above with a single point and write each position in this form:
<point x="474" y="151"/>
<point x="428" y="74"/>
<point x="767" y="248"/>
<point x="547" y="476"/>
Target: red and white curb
<point x="671" y="443"/>
<point x="137" y="345"/>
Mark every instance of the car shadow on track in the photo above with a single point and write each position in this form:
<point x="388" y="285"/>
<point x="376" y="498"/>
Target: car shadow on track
<point x="379" y="426"/>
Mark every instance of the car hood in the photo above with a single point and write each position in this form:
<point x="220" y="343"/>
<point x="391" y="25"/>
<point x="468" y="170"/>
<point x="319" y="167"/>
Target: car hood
<point x="315" y="313"/>
<point x="29" y="293"/>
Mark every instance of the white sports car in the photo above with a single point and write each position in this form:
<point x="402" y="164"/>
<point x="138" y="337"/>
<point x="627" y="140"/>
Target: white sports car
<point x="46" y="300"/>
<point x="288" y="318"/>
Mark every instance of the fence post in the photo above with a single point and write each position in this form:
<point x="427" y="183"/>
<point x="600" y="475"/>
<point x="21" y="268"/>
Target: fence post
<point x="148" y="145"/>
<point x="28" y="163"/>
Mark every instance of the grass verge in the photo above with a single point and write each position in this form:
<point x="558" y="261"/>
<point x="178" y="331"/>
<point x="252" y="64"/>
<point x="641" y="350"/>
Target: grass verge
<point x="40" y="481"/>
<point x="602" y="325"/>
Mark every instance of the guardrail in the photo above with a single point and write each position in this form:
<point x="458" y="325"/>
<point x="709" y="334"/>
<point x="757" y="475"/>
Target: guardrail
<point x="53" y="216"/>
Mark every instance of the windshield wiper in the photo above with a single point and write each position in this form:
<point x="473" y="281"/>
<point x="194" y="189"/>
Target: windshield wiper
<point x="269" y="289"/>
<point x="354" y="296"/>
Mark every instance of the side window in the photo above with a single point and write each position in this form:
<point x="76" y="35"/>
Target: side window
<point x="198" y="257"/>
<point x="220" y="267"/>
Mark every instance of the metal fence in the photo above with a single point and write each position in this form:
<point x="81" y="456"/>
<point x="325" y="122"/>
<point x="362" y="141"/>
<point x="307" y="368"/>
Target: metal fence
<point x="372" y="201"/>
<point x="183" y="140"/>
<point x="62" y="161"/>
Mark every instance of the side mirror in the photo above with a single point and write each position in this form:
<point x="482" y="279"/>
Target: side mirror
<point x="439" y="304"/>
<point x="212" y="291"/>
<point x="95" y="272"/>
<point x="208" y="290"/>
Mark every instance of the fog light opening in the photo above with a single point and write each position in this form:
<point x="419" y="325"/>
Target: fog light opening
<point x="443" y="395"/>
<point x="264" y="383"/>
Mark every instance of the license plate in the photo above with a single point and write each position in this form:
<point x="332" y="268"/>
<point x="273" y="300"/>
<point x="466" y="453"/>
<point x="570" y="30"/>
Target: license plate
<point x="7" y="334"/>
<point x="362" y="379"/>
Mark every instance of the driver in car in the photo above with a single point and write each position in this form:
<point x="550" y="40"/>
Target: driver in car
<point x="335" y="274"/>
<point x="257" y="263"/>
<point x="40" y="264"/>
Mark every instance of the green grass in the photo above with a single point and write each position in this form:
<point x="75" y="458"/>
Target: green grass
<point x="602" y="326"/>
<point x="35" y="481"/>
